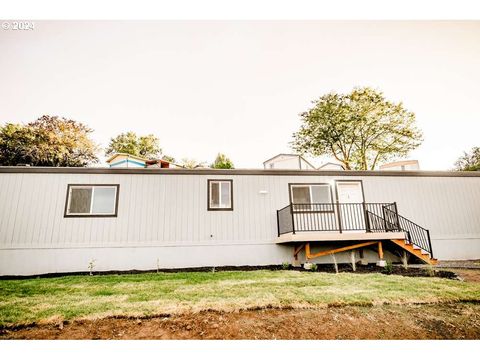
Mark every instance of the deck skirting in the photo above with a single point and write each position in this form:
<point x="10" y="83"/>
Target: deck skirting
<point x="314" y="236"/>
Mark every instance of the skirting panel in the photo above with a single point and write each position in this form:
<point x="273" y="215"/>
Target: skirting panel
<point x="44" y="261"/>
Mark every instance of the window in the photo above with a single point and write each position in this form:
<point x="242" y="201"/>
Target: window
<point x="311" y="197"/>
<point x="91" y="200"/>
<point x="220" y="195"/>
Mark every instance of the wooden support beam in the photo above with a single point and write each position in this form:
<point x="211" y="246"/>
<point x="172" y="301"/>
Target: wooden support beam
<point x="380" y="250"/>
<point x="307" y="250"/>
<point x="297" y="250"/>
<point x="334" y="251"/>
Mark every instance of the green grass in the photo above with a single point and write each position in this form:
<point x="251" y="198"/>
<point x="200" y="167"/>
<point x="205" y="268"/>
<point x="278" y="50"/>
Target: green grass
<point x="76" y="297"/>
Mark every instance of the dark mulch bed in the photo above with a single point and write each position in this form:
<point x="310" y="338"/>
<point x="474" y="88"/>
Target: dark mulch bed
<point x="394" y="270"/>
<point x="329" y="268"/>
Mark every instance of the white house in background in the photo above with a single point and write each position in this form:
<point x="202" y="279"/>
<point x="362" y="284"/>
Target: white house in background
<point x="331" y="166"/>
<point x="288" y="162"/>
<point x="126" y="161"/>
<point x="401" y="165"/>
<point x="56" y="220"/>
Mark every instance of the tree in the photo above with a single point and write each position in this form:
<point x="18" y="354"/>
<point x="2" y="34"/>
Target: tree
<point x="170" y="159"/>
<point x="47" y="141"/>
<point x="222" y="162"/>
<point x="147" y="146"/>
<point x="360" y="129"/>
<point x="16" y="140"/>
<point x="191" y="163"/>
<point x="469" y="161"/>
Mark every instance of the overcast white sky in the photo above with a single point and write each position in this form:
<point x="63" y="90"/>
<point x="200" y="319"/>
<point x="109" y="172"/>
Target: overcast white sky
<point x="238" y="87"/>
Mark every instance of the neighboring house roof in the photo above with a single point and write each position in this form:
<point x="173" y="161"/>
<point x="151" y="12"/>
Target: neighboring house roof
<point x="399" y="163"/>
<point x="289" y="155"/>
<point x="137" y="160"/>
<point x="327" y="164"/>
<point x="114" y="156"/>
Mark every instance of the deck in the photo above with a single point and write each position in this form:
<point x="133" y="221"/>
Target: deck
<point x="352" y="226"/>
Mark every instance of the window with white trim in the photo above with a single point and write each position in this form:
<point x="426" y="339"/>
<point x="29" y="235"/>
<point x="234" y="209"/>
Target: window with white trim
<point x="220" y="195"/>
<point x="311" y="197"/>
<point x="91" y="200"/>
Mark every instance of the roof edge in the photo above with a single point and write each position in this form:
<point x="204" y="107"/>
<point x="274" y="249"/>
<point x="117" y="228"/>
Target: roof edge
<point x="265" y="172"/>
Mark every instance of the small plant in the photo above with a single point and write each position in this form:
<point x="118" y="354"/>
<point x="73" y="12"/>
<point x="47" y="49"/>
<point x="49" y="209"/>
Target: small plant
<point x="405" y="257"/>
<point x="430" y="271"/>
<point x="388" y="269"/>
<point x="91" y="266"/>
<point x="314" y="267"/>
<point x="335" y="264"/>
<point x="353" y="261"/>
<point x="285" y="265"/>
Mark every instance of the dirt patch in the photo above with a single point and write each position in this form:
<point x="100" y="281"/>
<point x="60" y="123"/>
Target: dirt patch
<point x="440" y="321"/>
<point x="468" y="275"/>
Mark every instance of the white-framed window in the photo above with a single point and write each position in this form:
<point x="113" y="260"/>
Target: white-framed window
<point x="311" y="197"/>
<point x="220" y="195"/>
<point x="91" y="200"/>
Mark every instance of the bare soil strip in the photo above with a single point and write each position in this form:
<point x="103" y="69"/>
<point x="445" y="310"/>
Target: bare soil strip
<point x="439" y="321"/>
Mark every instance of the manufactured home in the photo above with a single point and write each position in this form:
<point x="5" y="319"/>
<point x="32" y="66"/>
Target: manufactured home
<point x="58" y="220"/>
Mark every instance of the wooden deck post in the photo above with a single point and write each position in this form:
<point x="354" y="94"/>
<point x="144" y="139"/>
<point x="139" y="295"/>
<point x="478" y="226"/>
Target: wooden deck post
<point x="296" y="250"/>
<point x="380" y="250"/>
<point x="307" y="250"/>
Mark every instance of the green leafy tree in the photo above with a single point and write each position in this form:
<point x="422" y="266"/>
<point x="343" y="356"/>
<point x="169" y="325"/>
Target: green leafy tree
<point x="147" y="146"/>
<point x="170" y="159"/>
<point x="469" y="161"/>
<point x="191" y="163"/>
<point x="16" y="142"/>
<point x="48" y="141"/>
<point x="222" y="162"/>
<point x="361" y="129"/>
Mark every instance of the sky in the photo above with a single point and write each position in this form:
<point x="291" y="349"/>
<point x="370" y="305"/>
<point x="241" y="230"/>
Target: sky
<point x="238" y="87"/>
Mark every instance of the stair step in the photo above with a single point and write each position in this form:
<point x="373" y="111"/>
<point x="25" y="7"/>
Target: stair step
<point x="416" y="251"/>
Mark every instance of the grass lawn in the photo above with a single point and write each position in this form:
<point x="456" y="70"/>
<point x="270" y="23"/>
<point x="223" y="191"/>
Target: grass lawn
<point x="91" y="297"/>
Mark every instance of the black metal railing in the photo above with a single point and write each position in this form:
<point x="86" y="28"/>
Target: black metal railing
<point x="285" y="221"/>
<point x="340" y="217"/>
<point x="379" y="223"/>
<point x="415" y="234"/>
<point x="327" y="216"/>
